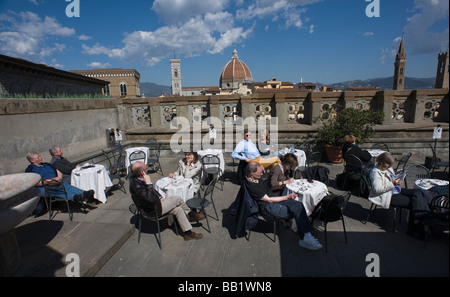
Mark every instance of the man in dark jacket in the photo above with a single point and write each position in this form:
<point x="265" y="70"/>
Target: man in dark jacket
<point x="61" y="163"/>
<point x="147" y="198"/>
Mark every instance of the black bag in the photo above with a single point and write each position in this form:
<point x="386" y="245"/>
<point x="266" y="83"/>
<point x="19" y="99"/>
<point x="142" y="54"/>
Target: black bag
<point x="319" y="173"/>
<point x="358" y="184"/>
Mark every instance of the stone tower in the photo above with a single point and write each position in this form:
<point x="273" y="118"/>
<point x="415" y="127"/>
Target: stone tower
<point x="175" y="69"/>
<point x="442" y="72"/>
<point x="400" y="64"/>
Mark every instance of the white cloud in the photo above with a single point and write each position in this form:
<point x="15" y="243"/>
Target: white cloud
<point x="84" y="37"/>
<point x="25" y="35"/>
<point x="97" y="65"/>
<point x="211" y="33"/>
<point x="422" y="32"/>
<point x="369" y="34"/>
<point x="176" y="12"/>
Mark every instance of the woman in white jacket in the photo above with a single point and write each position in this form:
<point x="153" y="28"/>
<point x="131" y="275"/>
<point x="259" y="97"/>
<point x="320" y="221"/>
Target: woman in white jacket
<point x="190" y="167"/>
<point x="412" y="199"/>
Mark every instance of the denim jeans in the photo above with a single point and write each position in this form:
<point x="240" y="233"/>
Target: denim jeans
<point x="71" y="191"/>
<point x="291" y="209"/>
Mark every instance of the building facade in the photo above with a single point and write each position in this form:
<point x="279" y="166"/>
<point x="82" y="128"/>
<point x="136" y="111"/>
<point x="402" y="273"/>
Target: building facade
<point x="399" y="71"/>
<point x="124" y="83"/>
<point x="442" y="72"/>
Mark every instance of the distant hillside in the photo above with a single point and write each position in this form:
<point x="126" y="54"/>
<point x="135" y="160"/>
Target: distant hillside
<point x="149" y="89"/>
<point x="385" y="83"/>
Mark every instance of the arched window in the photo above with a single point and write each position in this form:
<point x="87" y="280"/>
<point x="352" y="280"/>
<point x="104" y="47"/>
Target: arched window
<point x="123" y="89"/>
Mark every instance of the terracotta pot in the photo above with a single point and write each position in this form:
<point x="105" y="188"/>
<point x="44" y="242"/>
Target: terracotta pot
<point x="334" y="153"/>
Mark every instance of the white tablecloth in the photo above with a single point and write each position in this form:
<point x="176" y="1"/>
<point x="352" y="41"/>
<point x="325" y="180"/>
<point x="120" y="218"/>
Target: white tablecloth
<point x="426" y="184"/>
<point x="95" y="178"/>
<point x="177" y="186"/>
<point x="301" y="156"/>
<point x="133" y="149"/>
<point x="214" y="152"/>
<point x="310" y="194"/>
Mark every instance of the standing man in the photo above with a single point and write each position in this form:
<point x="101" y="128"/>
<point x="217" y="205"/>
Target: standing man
<point x="61" y="163"/>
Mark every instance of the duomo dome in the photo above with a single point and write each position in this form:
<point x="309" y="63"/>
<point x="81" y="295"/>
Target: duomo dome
<point x="235" y="74"/>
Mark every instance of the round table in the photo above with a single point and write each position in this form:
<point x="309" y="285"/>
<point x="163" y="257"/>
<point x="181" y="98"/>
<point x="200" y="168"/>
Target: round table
<point x="176" y="186"/>
<point x="310" y="194"/>
<point x="426" y="184"/>
<point x="92" y="177"/>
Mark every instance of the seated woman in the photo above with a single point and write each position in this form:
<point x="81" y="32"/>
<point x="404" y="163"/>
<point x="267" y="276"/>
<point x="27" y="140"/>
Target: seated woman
<point x="279" y="173"/>
<point x="190" y="167"/>
<point x="350" y="147"/>
<point x="265" y="146"/>
<point x="382" y="195"/>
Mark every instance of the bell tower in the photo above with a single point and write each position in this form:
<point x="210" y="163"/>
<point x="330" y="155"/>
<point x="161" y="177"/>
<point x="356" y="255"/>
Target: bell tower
<point x="442" y="72"/>
<point x="175" y="70"/>
<point x="400" y="64"/>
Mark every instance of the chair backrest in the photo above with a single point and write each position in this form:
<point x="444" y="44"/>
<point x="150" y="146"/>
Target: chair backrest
<point x="381" y="146"/>
<point x="313" y="159"/>
<point x="402" y="163"/>
<point x="154" y="148"/>
<point x="333" y="206"/>
<point x="415" y="172"/>
<point x="440" y="202"/>
<point x="211" y="163"/>
<point x="137" y="156"/>
<point x="305" y="146"/>
<point x="353" y="164"/>
<point x="210" y="188"/>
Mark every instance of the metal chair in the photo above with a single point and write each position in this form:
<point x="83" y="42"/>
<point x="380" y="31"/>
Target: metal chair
<point x="332" y="210"/>
<point x="153" y="155"/>
<point x="436" y="162"/>
<point x="313" y="161"/>
<point x="440" y="210"/>
<point x="401" y="164"/>
<point x="203" y="202"/>
<point x="211" y="165"/>
<point x="135" y="157"/>
<point x="381" y="146"/>
<point x="114" y="173"/>
<point x="154" y="218"/>
<point x="415" y="172"/>
<point x="55" y="193"/>
<point x="352" y="165"/>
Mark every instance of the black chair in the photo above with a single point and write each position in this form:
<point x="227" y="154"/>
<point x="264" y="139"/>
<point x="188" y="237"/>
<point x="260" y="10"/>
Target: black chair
<point x="331" y="209"/>
<point x="153" y="155"/>
<point x="114" y="173"/>
<point x="440" y="209"/>
<point x="415" y="172"/>
<point x="353" y="166"/>
<point x="135" y="157"/>
<point x="203" y="202"/>
<point x="118" y="159"/>
<point x="436" y="163"/>
<point x="401" y="164"/>
<point x="50" y="197"/>
<point x="154" y="218"/>
<point x="211" y="166"/>
<point x="381" y="146"/>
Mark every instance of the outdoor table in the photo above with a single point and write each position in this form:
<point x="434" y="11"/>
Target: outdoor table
<point x="92" y="177"/>
<point x="176" y="186"/>
<point x="375" y="153"/>
<point x="133" y="149"/>
<point x="310" y="194"/>
<point x="426" y="184"/>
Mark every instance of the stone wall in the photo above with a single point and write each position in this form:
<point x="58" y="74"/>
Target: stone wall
<point x="78" y="126"/>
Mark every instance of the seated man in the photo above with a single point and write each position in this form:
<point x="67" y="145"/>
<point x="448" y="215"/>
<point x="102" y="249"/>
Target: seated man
<point x="247" y="151"/>
<point x="351" y="148"/>
<point x="61" y="163"/>
<point x="149" y="200"/>
<point x="51" y="176"/>
<point x="282" y="207"/>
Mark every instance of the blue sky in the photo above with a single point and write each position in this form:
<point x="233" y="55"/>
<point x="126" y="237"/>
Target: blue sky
<point x="325" y="41"/>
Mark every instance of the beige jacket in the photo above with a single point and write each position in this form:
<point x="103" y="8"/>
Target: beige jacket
<point x="194" y="171"/>
<point x="381" y="192"/>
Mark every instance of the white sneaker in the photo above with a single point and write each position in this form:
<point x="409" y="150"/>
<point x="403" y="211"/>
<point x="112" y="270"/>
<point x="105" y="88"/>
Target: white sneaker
<point x="309" y="242"/>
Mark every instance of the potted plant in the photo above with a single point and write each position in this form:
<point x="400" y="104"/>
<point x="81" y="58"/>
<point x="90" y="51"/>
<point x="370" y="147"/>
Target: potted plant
<point x="348" y="121"/>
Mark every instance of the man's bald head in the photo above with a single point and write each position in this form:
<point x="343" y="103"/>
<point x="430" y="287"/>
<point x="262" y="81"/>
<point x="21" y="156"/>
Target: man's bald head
<point x="137" y="168"/>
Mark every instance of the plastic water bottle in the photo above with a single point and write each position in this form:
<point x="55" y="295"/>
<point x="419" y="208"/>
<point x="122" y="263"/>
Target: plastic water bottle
<point x="292" y="148"/>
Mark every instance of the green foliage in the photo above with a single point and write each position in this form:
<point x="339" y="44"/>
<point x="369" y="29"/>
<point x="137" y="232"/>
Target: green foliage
<point x="349" y="121"/>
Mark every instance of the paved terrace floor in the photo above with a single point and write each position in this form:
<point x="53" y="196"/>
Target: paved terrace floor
<point x="105" y="238"/>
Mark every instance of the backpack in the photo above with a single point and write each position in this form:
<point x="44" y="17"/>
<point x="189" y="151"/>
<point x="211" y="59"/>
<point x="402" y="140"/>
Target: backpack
<point x="358" y="184"/>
